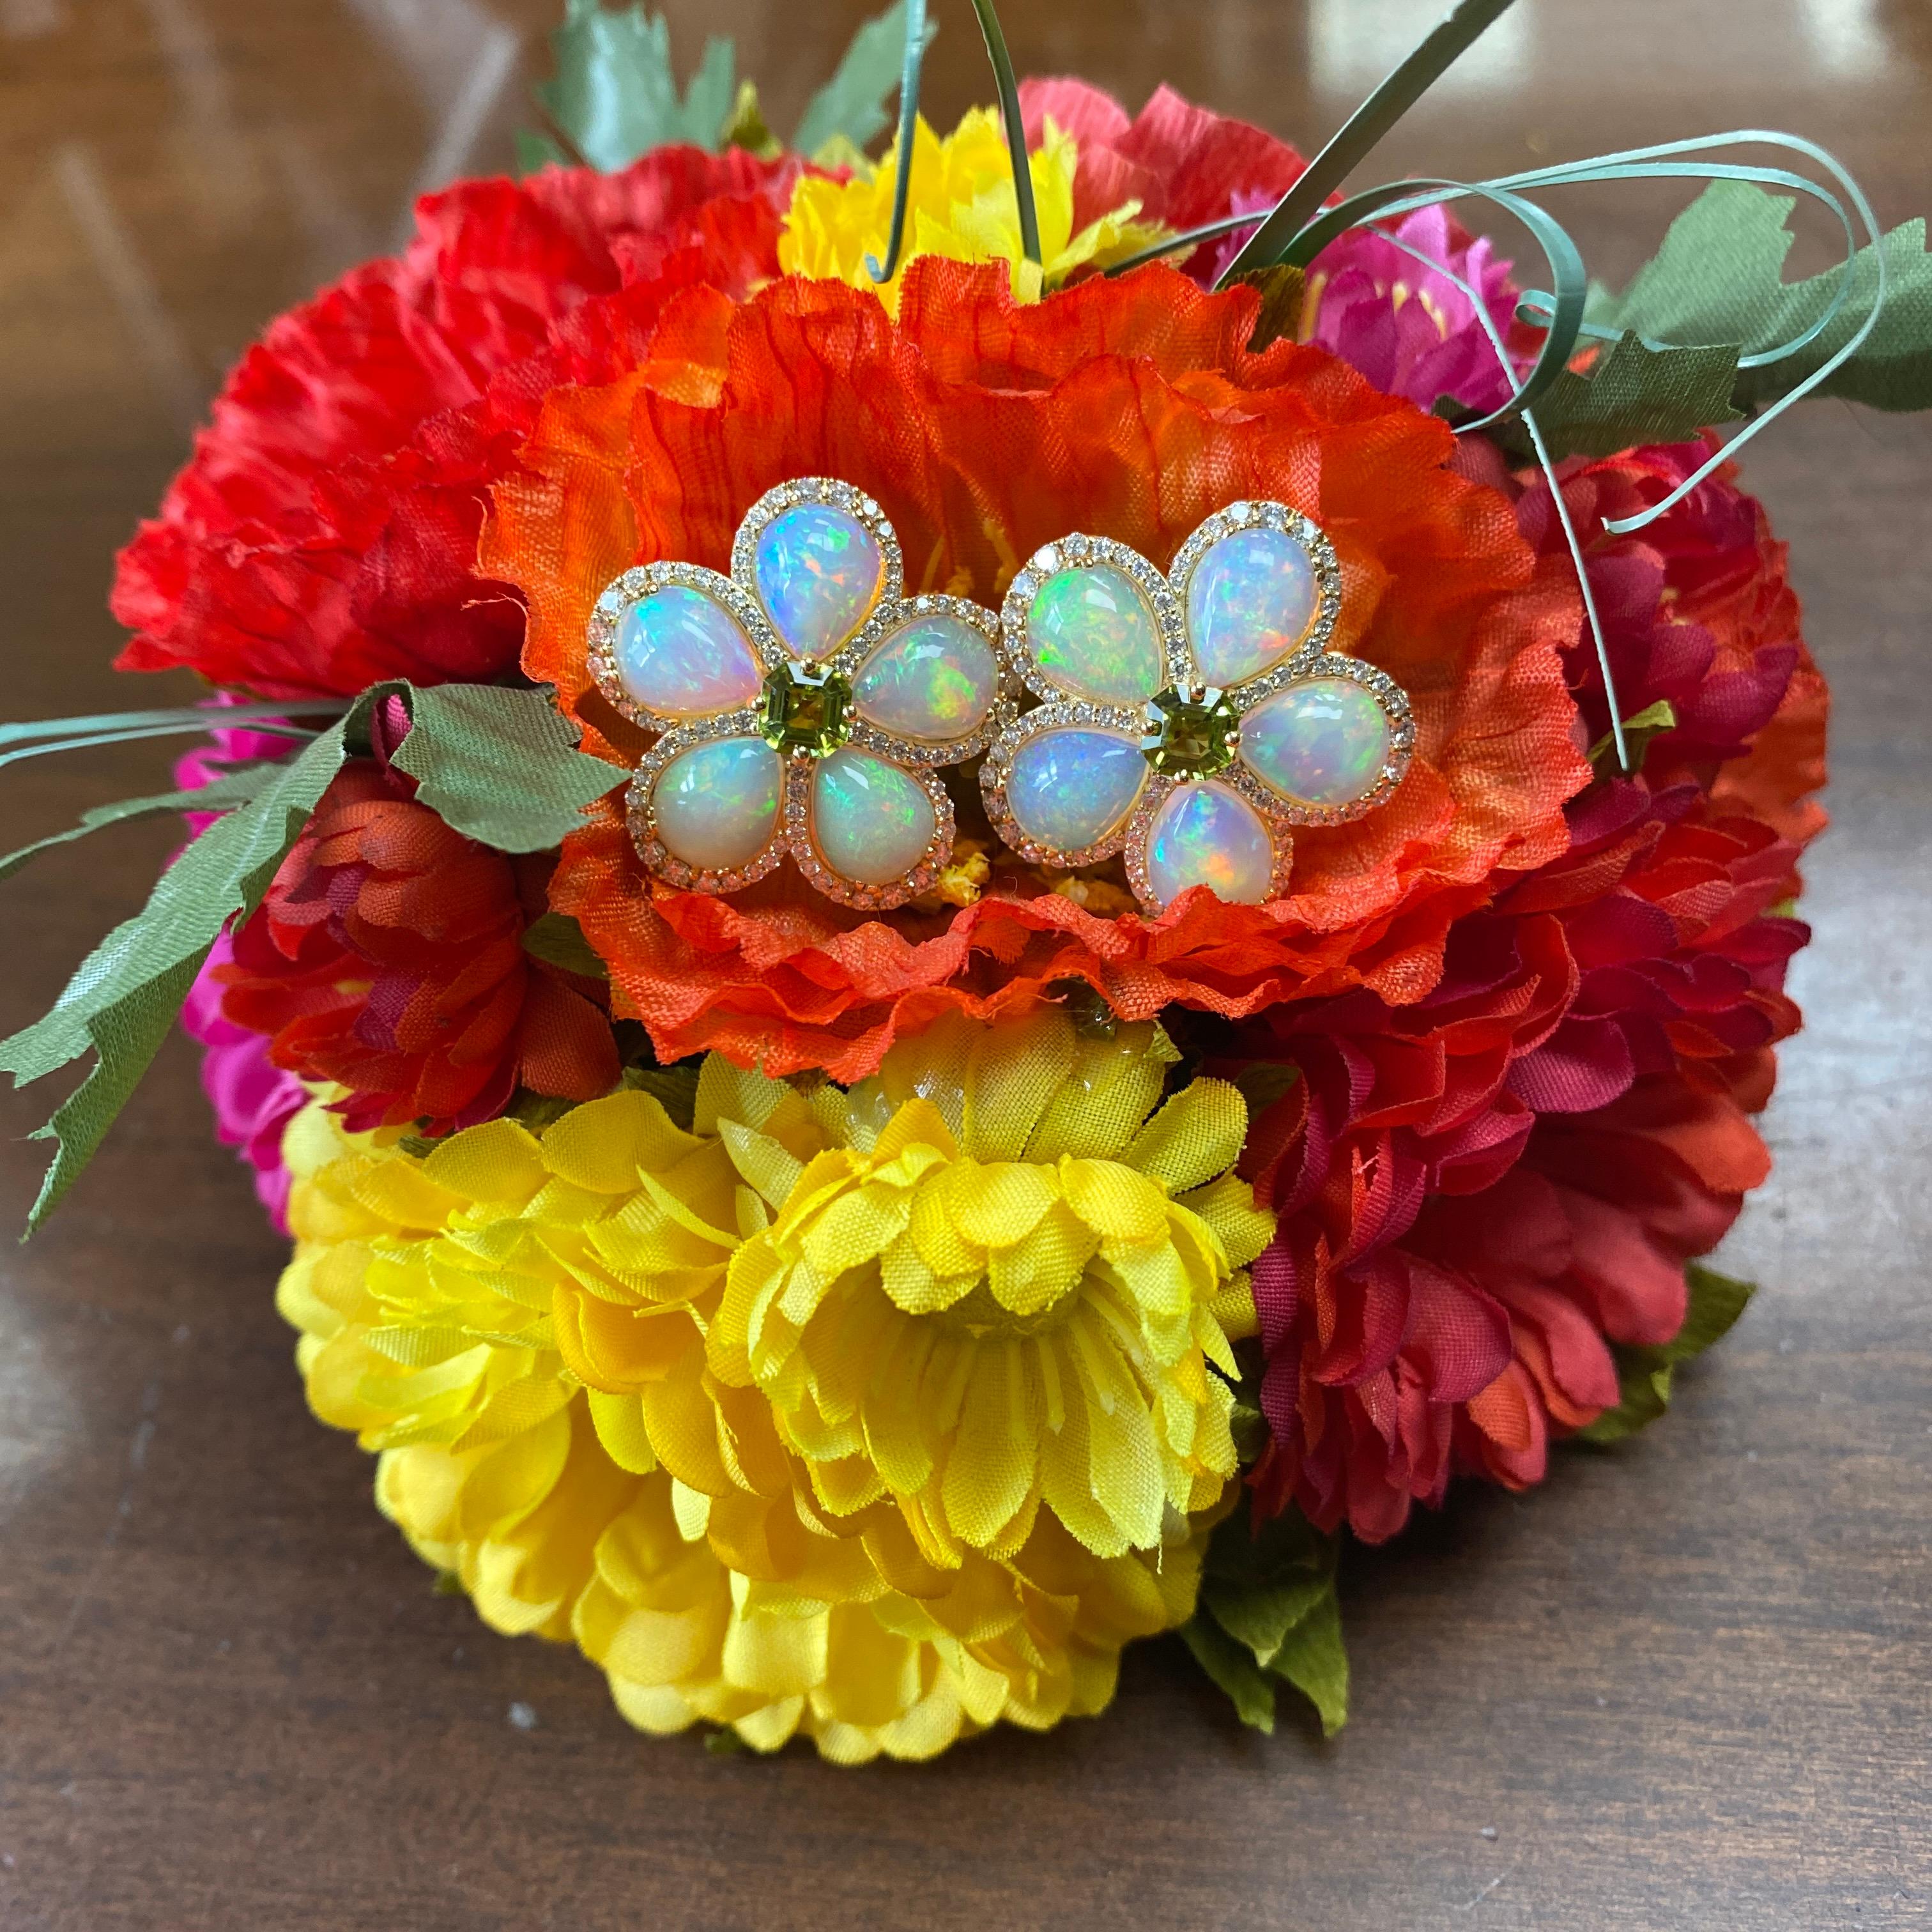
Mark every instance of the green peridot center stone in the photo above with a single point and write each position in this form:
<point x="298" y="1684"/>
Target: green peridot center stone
<point x="805" y="709"/>
<point x="1191" y="734"/>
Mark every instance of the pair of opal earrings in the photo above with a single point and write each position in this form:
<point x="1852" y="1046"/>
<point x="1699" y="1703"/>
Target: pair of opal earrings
<point x="805" y="706"/>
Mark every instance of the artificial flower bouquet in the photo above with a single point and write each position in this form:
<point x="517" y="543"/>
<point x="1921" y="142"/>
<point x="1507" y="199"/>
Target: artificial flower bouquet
<point x="958" y="898"/>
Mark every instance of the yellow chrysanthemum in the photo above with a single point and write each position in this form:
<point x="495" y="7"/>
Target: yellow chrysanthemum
<point x="555" y="1340"/>
<point x="961" y="205"/>
<point x="1017" y="1304"/>
<point x="937" y="1656"/>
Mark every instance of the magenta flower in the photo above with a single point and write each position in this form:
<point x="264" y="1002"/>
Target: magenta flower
<point x="1406" y="326"/>
<point x="253" y="1100"/>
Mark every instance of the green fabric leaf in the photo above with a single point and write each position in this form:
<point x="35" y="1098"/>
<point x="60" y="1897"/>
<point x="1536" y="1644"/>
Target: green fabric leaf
<point x="1314" y="1659"/>
<point x="1283" y="291"/>
<point x="1268" y="1598"/>
<point x="535" y="151"/>
<point x="122" y="1003"/>
<point x="1713" y="1304"/>
<point x="501" y="765"/>
<point x="1650" y="722"/>
<point x="1635" y="395"/>
<point x="1716" y="1302"/>
<point x="746" y="127"/>
<point x="234" y="788"/>
<point x="675" y="1088"/>
<point x="1259" y="1587"/>
<point x="1719" y="277"/>
<point x="559" y="940"/>
<point x="614" y="95"/>
<point x="1232" y="1668"/>
<point x="852" y="105"/>
<point x="1262" y="1082"/>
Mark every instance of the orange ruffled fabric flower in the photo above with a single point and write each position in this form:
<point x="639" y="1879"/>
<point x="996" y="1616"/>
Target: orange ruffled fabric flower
<point x="1129" y="409"/>
<point x="388" y="959"/>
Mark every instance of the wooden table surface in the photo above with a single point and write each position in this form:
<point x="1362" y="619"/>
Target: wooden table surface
<point x="1687" y="1683"/>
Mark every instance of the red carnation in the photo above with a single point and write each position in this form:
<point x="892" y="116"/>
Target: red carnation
<point x="1697" y="611"/>
<point x="387" y="958"/>
<point x="323" y="535"/>
<point x="1185" y="165"/>
<point x="1480" y="1191"/>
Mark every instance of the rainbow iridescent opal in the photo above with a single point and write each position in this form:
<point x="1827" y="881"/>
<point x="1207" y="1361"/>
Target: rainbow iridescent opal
<point x="1250" y="601"/>
<point x="1325" y="741"/>
<point x="681" y="654"/>
<point x="818" y="572"/>
<point x="1091" y="633"/>
<point x="934" y="679"/>
<point x="1206" y="835"/>
<point x="1067" y="789"/>
<point x="716" y="806"/>
<point x="871" y="822"/>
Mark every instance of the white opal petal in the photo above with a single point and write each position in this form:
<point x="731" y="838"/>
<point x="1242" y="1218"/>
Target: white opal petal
<point x="1068" y="789"/>
<point x="717" y="805"/>
<point x="1324" y="741"/>
<point x="1251" y="600"/>
<point x="680" y="654"/>
<point x="1206" y="835"/>
<point x="818" y="571"/>
<point x="1090" y="632"/>
<point x="871" y="821"/>
<point x="935" y="679"/>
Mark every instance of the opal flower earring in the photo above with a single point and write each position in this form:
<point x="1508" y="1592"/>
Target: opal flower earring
<point x="1190" y="721"/>
<point x="805" y="706"/>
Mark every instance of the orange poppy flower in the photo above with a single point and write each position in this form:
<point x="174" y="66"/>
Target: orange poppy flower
<point x="1129" y="409"/>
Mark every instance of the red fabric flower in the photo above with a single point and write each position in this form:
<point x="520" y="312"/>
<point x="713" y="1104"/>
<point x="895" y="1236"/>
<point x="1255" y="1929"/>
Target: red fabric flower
<point x="1697" y="611"/>
<point x="1130" y="409"/>
<point x="1480" y="1191"/>
<point x="1185" y="166"/>
<point x="387" y="958"/>
<point x="323" y="535"/>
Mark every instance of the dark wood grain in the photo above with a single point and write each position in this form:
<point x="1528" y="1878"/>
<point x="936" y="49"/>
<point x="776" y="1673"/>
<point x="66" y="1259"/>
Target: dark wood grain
<point x="1689" y="1684"/>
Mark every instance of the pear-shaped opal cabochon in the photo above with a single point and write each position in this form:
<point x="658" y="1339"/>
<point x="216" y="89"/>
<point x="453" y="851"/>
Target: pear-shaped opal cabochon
<point x="717" y="805"/>
<point x="871" y="822"/>
<point x="934" y="678"/>
<point x="1251" y="600"/>
<point x="680" y="654"/>
<point x="1090" y="632"/>
<point x="1068" y="789"/>
<point x="1207" y="835"/>
<point x="1323" y="742"/>
<point x="818" y="571"/>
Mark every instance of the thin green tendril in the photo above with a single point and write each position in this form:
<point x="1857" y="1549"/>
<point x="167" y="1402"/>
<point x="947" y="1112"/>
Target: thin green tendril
<point x="41" y="737"/>
<point x="1560" y="313"/>
<point x="1410" y="81"/>
<point x="1481" y="310"/>
<point x="915" y="59"/>
<point x="1016" y="128"/>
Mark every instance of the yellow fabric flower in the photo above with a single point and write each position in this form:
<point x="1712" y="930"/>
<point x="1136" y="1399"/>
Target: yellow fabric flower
<point x="1017" y="1304"/>
<point x="906" y="1672"/>
<point x="961" y="205"/>
<point x="561" y="1343"/>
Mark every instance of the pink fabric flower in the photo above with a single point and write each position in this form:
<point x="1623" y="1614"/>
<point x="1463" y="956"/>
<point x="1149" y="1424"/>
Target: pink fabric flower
<point x="253" y="1100"/>
<point x="1406" y="326"/>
